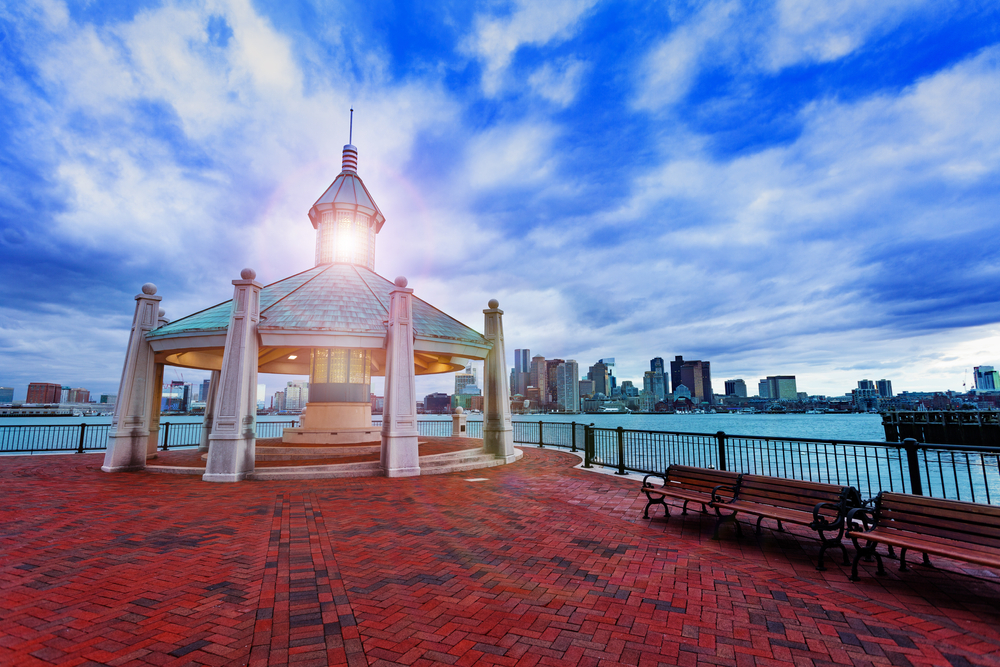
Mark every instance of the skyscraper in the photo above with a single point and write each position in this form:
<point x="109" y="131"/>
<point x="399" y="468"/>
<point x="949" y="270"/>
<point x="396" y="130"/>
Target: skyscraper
<point x="464" y="378"/>
<point x="987" y="379"/>
<point x="551" y="369"/>
<point x="782" y="388"/>
<point x="736" y="388"/>
<point x="568" y="386"/>
<point x="884" y="388"/>
<point x="598" y="373"/>
<point x="695" y="375"/>
<point x="658" y="381"/>
<point x="522" y="370"/>
<point x="539" y="378"/>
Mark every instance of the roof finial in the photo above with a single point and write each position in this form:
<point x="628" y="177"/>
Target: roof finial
<point x="350" y="136"/>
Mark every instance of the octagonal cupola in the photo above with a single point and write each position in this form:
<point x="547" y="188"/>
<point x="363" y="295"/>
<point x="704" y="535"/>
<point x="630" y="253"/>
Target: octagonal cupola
<point x="346" y="218"/>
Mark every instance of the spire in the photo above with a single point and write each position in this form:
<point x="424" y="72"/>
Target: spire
<point x="350" y="151"/>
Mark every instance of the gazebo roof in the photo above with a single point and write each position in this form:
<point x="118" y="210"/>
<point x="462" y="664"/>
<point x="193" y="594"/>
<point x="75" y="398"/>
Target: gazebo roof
<point x="330" y="305"/>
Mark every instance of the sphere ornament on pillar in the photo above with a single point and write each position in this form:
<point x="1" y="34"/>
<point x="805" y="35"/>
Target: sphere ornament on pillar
<point x="162" y="313"/>
<point x="248" y="274"/>
<point x="400" y="281"/>
<point x="459" y="410"/>
<point x="149" y="288"/>
<point x="493" y="303"/>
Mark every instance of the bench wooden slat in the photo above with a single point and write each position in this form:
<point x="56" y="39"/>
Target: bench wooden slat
<point x="907" y="541"/>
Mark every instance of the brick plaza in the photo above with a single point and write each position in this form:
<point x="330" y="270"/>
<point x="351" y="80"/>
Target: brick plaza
<point x="536" y="564"/>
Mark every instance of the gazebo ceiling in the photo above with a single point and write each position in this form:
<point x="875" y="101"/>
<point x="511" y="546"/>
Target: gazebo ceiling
<point x="331" y="305"/>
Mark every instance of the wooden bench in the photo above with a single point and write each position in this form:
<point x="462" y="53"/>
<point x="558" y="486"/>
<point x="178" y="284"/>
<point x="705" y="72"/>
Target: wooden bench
<point x="685" y="483"/>
<point x="963" y="531"/>
<point x="822" y="507"/>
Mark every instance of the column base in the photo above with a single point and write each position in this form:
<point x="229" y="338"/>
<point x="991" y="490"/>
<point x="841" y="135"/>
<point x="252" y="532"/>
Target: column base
<point x="126" y="452"/>
<point x="131" y="468"/>
<point x="224" y="477"/>
<point x="400" y="455"/>
<point x="402" y="472"/>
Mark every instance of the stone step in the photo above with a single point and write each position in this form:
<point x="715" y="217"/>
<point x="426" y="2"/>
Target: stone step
<point x="293" y="453"/>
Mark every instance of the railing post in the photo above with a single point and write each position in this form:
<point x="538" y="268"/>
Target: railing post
<point x="541" y="441"/>
<point x="721" y="438"/>
<point x="574" y="435"/>
<point x="913" y="464"/>
<point x="588" y="445"/>
<point x="166" y="435"/>
<point x="621" y="451"/>
<point x="83" y="431"/>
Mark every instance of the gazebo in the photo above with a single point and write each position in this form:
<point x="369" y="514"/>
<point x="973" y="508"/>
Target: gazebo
<point x="339" y="323"/>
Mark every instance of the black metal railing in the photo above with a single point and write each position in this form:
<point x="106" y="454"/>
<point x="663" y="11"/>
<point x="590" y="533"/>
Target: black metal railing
<point x="955" y="472"/>
<point x="441" y="428"/>
<point x="80" y="438"/>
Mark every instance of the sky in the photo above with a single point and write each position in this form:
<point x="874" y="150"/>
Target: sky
<point x="793" y="187"/>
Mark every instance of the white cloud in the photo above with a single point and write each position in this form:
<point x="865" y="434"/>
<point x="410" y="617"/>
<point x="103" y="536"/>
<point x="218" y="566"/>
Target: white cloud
<point x="558" y="82"/>
<point x="822" y="31"/>
<point x="670" y="69"/>
<point x="497" y="39"/>
<point x="511" y="155"/>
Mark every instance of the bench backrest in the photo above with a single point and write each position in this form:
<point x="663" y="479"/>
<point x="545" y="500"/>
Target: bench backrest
<point x="795" y="494"/>
<point x="967" y="523"/>
<point x="699" y="479"/>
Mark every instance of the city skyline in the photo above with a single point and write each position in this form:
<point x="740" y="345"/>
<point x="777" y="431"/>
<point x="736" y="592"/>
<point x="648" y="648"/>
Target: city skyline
<point x="797" y="189"/>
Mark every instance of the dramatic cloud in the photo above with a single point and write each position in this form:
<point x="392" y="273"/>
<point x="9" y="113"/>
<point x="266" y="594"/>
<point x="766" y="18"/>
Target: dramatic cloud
<point x="792" y="187"/>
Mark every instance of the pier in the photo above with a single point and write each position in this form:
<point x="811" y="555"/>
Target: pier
<point x="947" y="427"/>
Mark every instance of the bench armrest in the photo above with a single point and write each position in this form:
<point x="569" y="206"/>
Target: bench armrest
<point x="863" y="515"/>
<point x="821" y="521"/>
<point x="647" y="485"/>
<point x="716" y="498"/>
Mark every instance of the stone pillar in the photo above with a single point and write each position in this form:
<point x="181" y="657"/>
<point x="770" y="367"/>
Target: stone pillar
<point x="210" y="407"/>
<point x="129" y="432"/>
<point x="400" y="457"/>
<point x="498" y="433"/>
<point x="232" y="441"/>
<point x="156" y="398"/>
<point x="155" y="403"/>
<point x="458" y="423"/>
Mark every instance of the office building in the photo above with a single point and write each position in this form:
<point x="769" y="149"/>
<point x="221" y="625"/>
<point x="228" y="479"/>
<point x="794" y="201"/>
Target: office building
<point x="782" y="388"/>
<point x="601" y="377"/>
<point x="987" y="379"/>
<point x="6" y="394"/>
<point x="521" y="371"/>
<point x="175" y="397"/>
<point x="884" y="388"/>
<point x="464" y="378"/>
<point x="539" y="378"/>
<point x="44" y="392"/>
<point x="568" y="386"/>
<point x="586" y="386"/>
<point x="659" y="384"/>
<point x="296" y="395"/>
<point x="203" y="390"/>
<point x="109" y="399"/>
<point x="278" y="401"/>
<point x="551" y="370"/>
<point x="736" y="388"/>
<point x="695" y="375"/>
<point x="763" y="390"/>
<point x="79" y="395"/>
<point x="437" y="403"/>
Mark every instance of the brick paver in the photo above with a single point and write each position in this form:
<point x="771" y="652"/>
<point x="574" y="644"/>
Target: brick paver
<point x="540" y="564"/>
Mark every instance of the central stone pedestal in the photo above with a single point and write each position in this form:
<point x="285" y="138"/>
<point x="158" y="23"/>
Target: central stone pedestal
<point x="334" y="423"/>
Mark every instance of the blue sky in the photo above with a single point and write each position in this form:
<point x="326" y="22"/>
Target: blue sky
<point x="788" y="187"/>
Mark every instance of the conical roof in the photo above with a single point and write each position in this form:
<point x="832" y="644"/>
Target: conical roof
<point x="348" y="192"/>
<point x="331" y="305"/>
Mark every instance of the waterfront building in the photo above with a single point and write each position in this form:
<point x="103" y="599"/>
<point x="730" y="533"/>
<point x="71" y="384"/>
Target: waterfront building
<point x="782" y="388"/>
<point x="79" y="395"/>
<point x="437" y="403"/>
<point x="6" y="394"/>
<point x="736" y="388"/>
<point x="866" y="396"/>
<point x="551" y="372"/>
<point x="659" y="385"/>
<point x="204" y="389"/>
<point x="884" y="388"/>
<point x="44" y="392"/>
<point x="986" y="378"/>
<point x="647" y="400"/>
<point x="695" y="375"/>
<point x="64" y="394"/>
<point x="296" y="395"/>
<point x="278" y="401"/>
<point x="568" y="383"/>
<point x="586" y="386"/>
<point x="464" y="378"/>
<point x="521" y="371"/>
<point x="601" y="377"/>
<point x="109" y="399"/>
<point x="539" y="378"/>
<point x="763" y="389"/>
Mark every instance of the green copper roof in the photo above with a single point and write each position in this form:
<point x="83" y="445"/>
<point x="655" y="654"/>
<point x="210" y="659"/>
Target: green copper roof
<point x="329" y="297"/>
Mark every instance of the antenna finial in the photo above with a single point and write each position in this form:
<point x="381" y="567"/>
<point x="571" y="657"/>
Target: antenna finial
<point x="350" y="136"/>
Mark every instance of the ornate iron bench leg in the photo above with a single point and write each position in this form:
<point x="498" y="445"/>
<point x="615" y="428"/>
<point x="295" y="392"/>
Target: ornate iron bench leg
<point x="684" y="508"/>
<point x="867" y="552"/>
<point x="902" y="559"/>
<point x="927" y="561"/>
<point x="658" y="501"/>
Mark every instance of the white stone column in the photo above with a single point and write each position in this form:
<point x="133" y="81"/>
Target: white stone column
<point x="129" y="432"/>
<point x="498" y="433"/>
<point x="210" y="407"/>
<point x="400" y="456"/>
<point x="155" y="405"/>
<point x="232" y="441"/>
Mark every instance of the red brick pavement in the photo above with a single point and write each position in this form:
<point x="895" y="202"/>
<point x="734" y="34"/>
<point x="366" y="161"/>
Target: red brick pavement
<point x="539" y="564"/>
